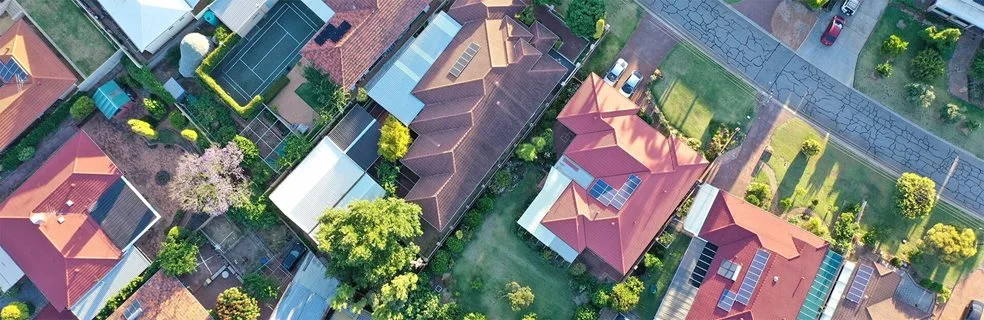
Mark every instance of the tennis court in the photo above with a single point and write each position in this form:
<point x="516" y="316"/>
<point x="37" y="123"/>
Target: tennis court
<point x="268" y="51"/>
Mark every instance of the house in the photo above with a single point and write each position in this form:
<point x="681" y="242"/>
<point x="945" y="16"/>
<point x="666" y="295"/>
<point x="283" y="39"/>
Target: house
<point x="965" y="13"/>
<point x="879" y="291"/>
<point x="32" y="78"/>
<point x="161" y="297"/>
<point x="308" y="295"/>
<point x="71" y="228"/>
<point x="478" y="96"/>
<point x="357" y="34"/>
<point x="616" y="185"/>
<point x="746" y="263"/>
<point x="333" y="174"/>
<point x="149" y="24"/>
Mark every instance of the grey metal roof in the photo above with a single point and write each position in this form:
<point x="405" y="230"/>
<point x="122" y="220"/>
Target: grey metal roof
<point x="122" y="214"/>
<point x="130" y="266"/>
<point x="357" y="134"/>
<point x="308" y="294"/>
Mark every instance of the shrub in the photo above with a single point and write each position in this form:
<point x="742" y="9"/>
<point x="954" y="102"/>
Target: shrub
<point x="915" y="195"/>
<point x="582" y="16"/>
<point x="15" y="311"/>
<point x="625" y="295"/>
<point x="255" y="214"/>
<point x="977" y="68"/>
<point x="48" y="124"/>
<point x="884" y="70"/>
<point x="950" y="244"/>
<point x="762" y="192"/>
<point x="233" y="304"/>
<point x="894" y="46"/>
<point x="389" y="174"/>
<point x="82" y="107"/>
<point x="719" y="143"/>
<point x="441" y="262"/>
<point x="845" y="229"/>
<point x="944" y="295"/>
<point x="501" y="180"/>
<point x="361" y="95"/>
<point x="177" y="119"/>
<point x="178" y="255"/>
<point x="922" y="94"/>
<point x="209" y="64"/>
<point x="972" y="125"/>
<point x="526" y="152"/>
<point x="526" y="16"/>
<point x="189" y="134"/>
<point x="472" y="220"/>
<point x="142" y="128"/>
<point x="148" y="81"/>
<point x="927" y="66"/>
<point x="599" y="29"/>
<point x="484" y="204"/>
<point x="529" y="316"/>
<point x="952" y="113"/>
<point x="577" y="269"/>
<point x="519" y="297"/>
<point x="24" y="153"/>
<point x="295" y="148"/>
<point x="786" y="204"/>
<point x="260" y="286"/>
<point x="895" y="262"/>
<point x="394" y="139"/>
<point x="222" y="33"/>
<point x="652" y="262"/>
<point x="247" y="147"/>
<point x="811" y="147"/>
<point x="815" y="4"/>
<point x="456" y="245"/>
<point x="586" y="313"/>
<point x="156" y="109"/>
<point x="816" y="226"/>
<point x="941" y="39"/>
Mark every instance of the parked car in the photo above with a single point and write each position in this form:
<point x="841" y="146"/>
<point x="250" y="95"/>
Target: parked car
<point x="293" y="256"/>
<point x="850" y="7"/>
<point x="630" y="84"/>
<point x="616" y="72"/>
<point x="973" y="311"/>
<point x="833" y="30"/>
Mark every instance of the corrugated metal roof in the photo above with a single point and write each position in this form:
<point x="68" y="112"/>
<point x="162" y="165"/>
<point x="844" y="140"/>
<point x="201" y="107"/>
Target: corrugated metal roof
<point x="130" y="266"/>
<point x="9" y="271"/>
<point x="240" y="15"/>
<point x="110" y="98"/>
<point x="308" y="294"/>
<point x="357" y="134"/>
<point x="144" y="21"/>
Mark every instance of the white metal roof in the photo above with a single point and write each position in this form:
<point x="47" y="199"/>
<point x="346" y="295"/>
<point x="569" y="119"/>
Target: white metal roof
<point x="967" y="10"/>
<point x="320" y="8"/>
<point x="10" y="273"/>
<point x="308" y="294"/>
<point x="392" y="87"/>
<point x="144" y="21"/>
<point x="240" y="15"/>
<point x="553" y="187"/>
<point x="321" y="181"/>
<point x="130" y="266"/>
<point x="700" y="208"/>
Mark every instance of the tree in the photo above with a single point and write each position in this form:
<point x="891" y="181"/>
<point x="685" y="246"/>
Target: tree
<point x="394" y="139"/>
<point x="599" y="29"/>
<point x="519" y="297"/>
<point x="760" y="192"/>
<point x="583" y="14"/>
<point x="585" y="312"/>
<point x="15" y="311"/>
<point x="915" y="195"/>
<point x="950" y="244"/>
<point x="142" y="128"/>
<point x="210" y="183"/>
<point x="295" y="148"/>
<point x="475" y="316"/>
<point x="156" y="108"/>
<point x="82" y="107"/>
<point x="922" y="94"/>
<point x="845" y="229"/>
<point x="625" y="295"/>
<point x="884" y="69"/>
<point x="389" y="174"/>
<point x="389" y="302"/>
<point x="816" y="226"/>
<point x="719" y="142"/>
<point x="529" y="316"/>
<point x="811" y="147"/>
<point x="178" y="255"/>
<point x="260" y="286"/>
<point x="425" y="304"/>
<point x="928" y="65"/>
<point x="233" y="304"/>
<point x="526" y="152"/>
<point x="370" y="242"/>
<point x="652" y="262"/>
<point x="941" y="39"/>
<point x="952" y="113"/>
<point x="526" y="16"/>
<point x="894" y="46"/>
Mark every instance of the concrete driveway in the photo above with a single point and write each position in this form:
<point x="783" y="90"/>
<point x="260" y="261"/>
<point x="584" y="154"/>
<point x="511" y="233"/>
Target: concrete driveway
<point x="840" y="59"/>
<point x="970" y="288"/>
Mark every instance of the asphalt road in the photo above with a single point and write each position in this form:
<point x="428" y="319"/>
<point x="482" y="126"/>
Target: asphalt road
<point x="840" y="59"/>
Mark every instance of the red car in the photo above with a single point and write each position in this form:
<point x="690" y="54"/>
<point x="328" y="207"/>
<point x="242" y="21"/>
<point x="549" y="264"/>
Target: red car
<point x="833" y="30"/>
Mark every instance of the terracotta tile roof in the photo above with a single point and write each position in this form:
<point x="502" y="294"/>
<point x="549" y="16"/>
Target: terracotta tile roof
<point x="376" y="24"/>
<point x="63" y="259"/>
<point x="739" y="229"/>
<point x="48" y="78"/>
<point x="164" y="297"/>
<point x="612" y="143"/>
<point x="878" y="301"/>
<point x="470" y="120"/>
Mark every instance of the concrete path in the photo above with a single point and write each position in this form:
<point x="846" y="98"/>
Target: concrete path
<point x="840" y="59"/>
<point x="960" y="62"/>
<point x="850" y="116"/>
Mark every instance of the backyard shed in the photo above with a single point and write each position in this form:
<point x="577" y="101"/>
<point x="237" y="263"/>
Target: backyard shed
<point x="110" y="98"/>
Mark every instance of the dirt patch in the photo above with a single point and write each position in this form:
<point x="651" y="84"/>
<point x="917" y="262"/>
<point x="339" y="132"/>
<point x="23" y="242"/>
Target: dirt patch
<point x="792" y="22"/>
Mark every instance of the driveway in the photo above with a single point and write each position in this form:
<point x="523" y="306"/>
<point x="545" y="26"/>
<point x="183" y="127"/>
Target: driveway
<point x="644" y="52"/>
<point x="970" y="288"/>
<point x="840" y="59"/>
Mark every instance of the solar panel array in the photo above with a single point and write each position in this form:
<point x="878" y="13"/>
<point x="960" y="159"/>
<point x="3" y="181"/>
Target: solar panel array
<point x="602" y="190"/>
<point x="703" y="263"/>
<point x="752" y="276"/>
<point x="727" y="300"/>
<point x="333" y="33"/>
<point x="860" y="283"/>
<point x="10" y="69"/>
<point x="465" y="58"/>
<point x="609" y="196"/>
<point x="626" y="191"/>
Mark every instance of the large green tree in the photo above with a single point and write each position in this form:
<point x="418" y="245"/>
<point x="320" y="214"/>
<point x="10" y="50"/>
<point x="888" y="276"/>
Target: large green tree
<point x="582" y="15"/>
<point x="519" y="297"/>
<point x="950" y="244"/>
<point x="625" y="294"/>
<point x="394" y="139"/>
<point x="233" y="304"/>
<point x="915" y="195"/>
<point x="178" y="255"/>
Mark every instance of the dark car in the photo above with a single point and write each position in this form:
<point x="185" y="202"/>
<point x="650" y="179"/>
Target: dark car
<point x="974" y="311"/>
<point x="293" y="256"/>
<point x="833" y="30"/>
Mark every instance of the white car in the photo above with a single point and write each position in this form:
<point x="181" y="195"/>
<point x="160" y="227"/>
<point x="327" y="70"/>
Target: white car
<point x="616" y="72"/>
<point x="630" y="85"/>
<point x="850" y="7"/>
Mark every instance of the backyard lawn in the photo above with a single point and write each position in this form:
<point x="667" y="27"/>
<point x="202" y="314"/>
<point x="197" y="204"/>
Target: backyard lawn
<point x="696" y="93"/>
<point x="623" y="16"/>
<point x="836" y="178"/>
<point x="497" y="256"/>
<point x="657" y="282"/>
<point x="892" y="93"/>
<point x="72" y="31"/>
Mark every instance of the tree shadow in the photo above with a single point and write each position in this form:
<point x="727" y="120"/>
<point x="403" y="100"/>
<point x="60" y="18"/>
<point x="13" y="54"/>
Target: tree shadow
<point x="793" y="176"/>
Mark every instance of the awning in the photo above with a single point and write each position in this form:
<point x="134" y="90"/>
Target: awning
<point x="553" y="187"/>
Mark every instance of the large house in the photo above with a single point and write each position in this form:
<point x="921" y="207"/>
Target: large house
<point x="149" y="24"/>
<point x="746" y="263"/>
<point x="71" y="228"/>
<point x="32" y="78"/>
<point x="616" y="185"/>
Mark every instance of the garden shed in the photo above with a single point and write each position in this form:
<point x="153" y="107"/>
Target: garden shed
<point x="110" y="98"/>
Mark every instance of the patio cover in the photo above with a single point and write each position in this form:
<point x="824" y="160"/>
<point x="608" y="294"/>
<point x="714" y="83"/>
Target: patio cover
<point x="393" y="87"/>
<point x="553" y="187"/>
<point x="320" y="8"/>
<point x="10" y="273"/>
<point x="308" y="294"/>
<point x="324" y="178"/>
<point x="700" y="208"/>
<point x="130" y="266"/>
<point x="967" y="10"/>
<point x="110" y="98"/>
<point x="241" y="15"/>
<point x="145" y="21"/>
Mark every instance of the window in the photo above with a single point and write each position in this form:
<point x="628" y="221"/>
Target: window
<point x="133" y="311"/>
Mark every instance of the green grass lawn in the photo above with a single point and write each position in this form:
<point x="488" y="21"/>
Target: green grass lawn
<point x="306" y="92"/>
<point x="836" y="177"/>
<point x="624" y="17"/>
<point x="696" y="92"/>
<point x="496" y="255"/>
<point x="891" y="91"/>
<point x="660" y="279"/>
<point x="72" y="31"/>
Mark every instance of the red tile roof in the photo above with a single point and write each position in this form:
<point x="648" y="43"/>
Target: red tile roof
<point x="739" y="229"/>
<point x="63" y="259"/>
<point x="376" y="24"/>
<point x="611" y="143"/>
<point x="164" y="297"/>
<point x="470" y="120"/>
<point x="48" y="79"/>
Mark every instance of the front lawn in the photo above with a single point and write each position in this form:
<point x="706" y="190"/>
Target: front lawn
<point x="72" y="31"/>
<point x="696" y="94"/>
<point x="497" y="255"/>
<point x="892" y="93"/>
<point x="837" y="178"/>
<point x="623" y="16"/>
<point x="658" y="281"/>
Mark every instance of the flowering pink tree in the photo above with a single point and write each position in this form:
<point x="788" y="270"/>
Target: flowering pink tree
<point x="212" y="182"/>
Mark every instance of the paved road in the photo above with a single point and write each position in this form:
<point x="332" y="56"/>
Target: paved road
<point x="840" y="59"/>
<point x="845" y="112"/>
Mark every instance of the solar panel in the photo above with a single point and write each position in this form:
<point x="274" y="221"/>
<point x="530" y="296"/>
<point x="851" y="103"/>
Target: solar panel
<point x="626" y="191"/>
<point x="753" y="276"/>
<point x="11" y="69"/>
<point x="860" y="283"/>
<point x="727" y="300"/>
<point x="599" y="188"/>
<point x="332" y="32"/>
<point x="703" y="263"/>
<point x="465" y="58"/>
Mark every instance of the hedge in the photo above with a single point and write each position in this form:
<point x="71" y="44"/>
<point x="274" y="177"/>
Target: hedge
<point x="275" y="88"/>
<point x="114" y="303"/>
<point x="148" y="81"/>
<point x="47" y="125"/>
<point x="209" y="64"/>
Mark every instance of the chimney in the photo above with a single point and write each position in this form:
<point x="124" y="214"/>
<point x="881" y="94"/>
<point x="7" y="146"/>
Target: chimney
<point x="37" y="218"/>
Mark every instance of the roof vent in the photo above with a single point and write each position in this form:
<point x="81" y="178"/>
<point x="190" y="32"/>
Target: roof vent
<point x="61" y="220"/>
<point x="775" y="279"/>
<point x="729" y="270"/>
<point x="37" y="218"/>
<point x="69" y="203"/>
